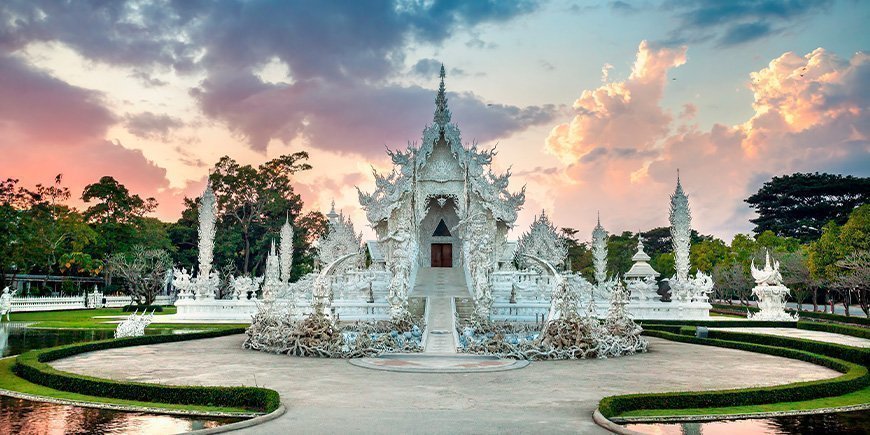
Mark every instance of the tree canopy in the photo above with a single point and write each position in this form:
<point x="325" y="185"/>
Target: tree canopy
<point x="799" y="205"/>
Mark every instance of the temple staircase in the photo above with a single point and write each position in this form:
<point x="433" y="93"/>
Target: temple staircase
<point x="440" y="285"/>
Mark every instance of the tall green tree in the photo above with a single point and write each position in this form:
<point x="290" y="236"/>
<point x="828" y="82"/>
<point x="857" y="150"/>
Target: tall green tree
<point x="799" y="205"/>
<point x="119" y="219"/>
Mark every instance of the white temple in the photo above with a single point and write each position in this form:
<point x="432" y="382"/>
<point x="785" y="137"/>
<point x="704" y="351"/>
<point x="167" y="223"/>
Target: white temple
<point x="442" y="206"/>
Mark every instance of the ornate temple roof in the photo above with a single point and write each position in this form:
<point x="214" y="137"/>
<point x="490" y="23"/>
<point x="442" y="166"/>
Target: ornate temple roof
<point x="490" y="187"/>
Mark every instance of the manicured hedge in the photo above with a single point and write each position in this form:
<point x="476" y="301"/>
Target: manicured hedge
<point x="741" y="309"/>
<point x="854" y="331"/>
<point x="148" y="308"/>
<point x="852" y="354"/>
<point x="720" y="323"/>
<point x="835" y="317"/>
<point x="854" y="378"/>
<point x="32" y="366"/>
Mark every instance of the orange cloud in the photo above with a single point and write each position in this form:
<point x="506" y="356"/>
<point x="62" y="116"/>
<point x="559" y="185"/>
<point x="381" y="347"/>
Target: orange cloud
<point x="623" y="148"/>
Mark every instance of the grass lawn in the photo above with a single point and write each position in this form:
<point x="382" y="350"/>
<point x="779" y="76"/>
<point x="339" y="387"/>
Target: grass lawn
<point x="855" y="398"/>
<point x="87" y="319"/>
<point x="9" y="381"/>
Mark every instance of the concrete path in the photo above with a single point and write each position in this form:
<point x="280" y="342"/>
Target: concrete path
<point x="848" y="340"/>
<point x="440" y="285"/>
<point x="332" y="396"/>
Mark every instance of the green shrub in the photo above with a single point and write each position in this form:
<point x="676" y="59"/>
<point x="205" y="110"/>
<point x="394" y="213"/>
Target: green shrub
<point x="720" y="323"/>
<point x="149" y="308"/>
<point x="835" y="317"/>
<point x="741" y="309"/>
<point x="32" y="366"/>
<point x="854" y="331"/>
<point x="854" y="378"/>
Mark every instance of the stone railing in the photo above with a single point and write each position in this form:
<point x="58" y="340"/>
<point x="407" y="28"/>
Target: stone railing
<point x="230" y="310"/>
<point x="51" y="303"/>
<point x="47" y="303"/>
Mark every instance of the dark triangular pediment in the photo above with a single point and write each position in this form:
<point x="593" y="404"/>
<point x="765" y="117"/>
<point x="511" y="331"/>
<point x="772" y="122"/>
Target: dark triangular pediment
<point x="441" y="230"/>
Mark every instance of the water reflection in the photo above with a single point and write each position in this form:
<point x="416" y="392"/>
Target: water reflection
<point x="855" y="422"/>
<point x="18" y="416"/>
<point x="16" y="338"/>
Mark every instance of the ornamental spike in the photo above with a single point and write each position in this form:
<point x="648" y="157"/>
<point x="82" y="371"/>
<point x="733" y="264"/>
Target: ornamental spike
<point x="442" y="113"/>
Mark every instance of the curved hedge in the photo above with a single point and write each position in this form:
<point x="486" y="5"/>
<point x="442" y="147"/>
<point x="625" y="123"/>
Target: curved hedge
<point x="32" y="366"/>
<point x="743" y="309"/>
<point x="849" y="361"/>
<point x="854" y="331"/>
<point x="722" y="323"/>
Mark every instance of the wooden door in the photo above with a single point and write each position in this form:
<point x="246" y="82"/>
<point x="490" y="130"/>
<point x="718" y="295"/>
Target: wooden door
<point x="436" y="255"/>
<point x="442" y="255"/>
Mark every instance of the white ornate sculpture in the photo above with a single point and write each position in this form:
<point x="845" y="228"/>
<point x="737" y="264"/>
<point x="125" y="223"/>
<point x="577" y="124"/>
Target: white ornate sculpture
<point x="134" y="325"/>
<point x="770" y="291"/>
<point x="340" y="240"/>
<point x="206" y="281"/>
<point x="181" y="281"/>
<point x="243" y="285"/>
<point x="603" y="284"/>
<point x="399" y="263"/>
<point x="641" y="278"/>
<point x="5" y="303"/>
<point x="683" y="288"/>
<point x="286" y="251"/>
<point x="272" y="285"/>
<point x="543" y="241"/>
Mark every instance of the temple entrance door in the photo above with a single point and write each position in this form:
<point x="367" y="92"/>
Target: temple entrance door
<point x="442" y="255"/>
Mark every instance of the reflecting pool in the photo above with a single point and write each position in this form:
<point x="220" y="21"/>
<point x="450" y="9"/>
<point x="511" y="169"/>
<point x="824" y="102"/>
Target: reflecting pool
<point x="854" y="422"/>
<point x="18" y="416"/>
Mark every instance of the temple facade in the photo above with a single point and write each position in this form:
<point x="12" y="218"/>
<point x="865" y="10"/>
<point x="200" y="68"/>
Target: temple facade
<point x="437" y="197"/>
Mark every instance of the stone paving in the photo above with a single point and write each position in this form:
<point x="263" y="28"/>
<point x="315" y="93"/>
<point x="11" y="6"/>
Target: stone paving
<point x="806" y="334"/>
<point x="333" y="396"/>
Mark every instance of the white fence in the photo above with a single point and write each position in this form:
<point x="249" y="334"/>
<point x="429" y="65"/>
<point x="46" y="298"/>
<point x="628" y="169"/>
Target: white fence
<point x="50" y="303"/>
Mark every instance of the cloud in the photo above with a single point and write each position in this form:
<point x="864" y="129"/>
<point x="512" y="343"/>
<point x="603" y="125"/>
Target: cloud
<point x="620" y="115"/>
<point x="426" y="68"/>
<point x="38" y="104"/>
<point x="49" y="127"/>
<point x="810" y="114"/>
<point x="351" y="118"/>
<point x="736" y="22"/>
<point x="147" y="125"/>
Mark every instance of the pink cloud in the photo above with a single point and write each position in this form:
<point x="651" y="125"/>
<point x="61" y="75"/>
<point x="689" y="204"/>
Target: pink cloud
<point x="623" y="148"/>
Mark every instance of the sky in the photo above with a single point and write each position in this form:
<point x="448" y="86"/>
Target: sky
<point x="593" y="106"/>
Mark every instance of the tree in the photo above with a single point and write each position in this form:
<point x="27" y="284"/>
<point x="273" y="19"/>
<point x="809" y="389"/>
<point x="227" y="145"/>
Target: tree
<point x="143" y="270"/>
<point x="253" y="198"/>
<point x="797" y="277"/>
<point x="705" y="255"/>
<point x="579" y="256"/>
<point x="114" y="203"/>
<point x="855" y="279"/>
<point x="118" y="218"/>
<point x="799" y="205"/>
<point x="732" y="281"/>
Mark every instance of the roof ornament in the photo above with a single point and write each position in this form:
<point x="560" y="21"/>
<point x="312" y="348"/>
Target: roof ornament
<point x="442" y="113"/>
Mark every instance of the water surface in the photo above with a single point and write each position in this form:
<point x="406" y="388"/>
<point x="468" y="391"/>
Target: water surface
<point x="847" y="423"/>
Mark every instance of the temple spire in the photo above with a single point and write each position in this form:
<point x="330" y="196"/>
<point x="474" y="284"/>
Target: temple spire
<point x="442" y="113"/>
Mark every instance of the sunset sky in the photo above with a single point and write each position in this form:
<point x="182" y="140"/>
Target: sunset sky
<point x="594" y="105"/>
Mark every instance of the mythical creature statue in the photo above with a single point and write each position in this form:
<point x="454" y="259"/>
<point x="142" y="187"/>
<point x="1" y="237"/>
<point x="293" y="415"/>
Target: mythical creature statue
<point x="400" y="267"/>
<point x="769" y="276"/>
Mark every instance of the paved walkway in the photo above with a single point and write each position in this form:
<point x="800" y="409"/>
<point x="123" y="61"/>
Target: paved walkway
<point x="440" y="285"/>
<point x="807" y="334"/>
<point x="332" y="396"/>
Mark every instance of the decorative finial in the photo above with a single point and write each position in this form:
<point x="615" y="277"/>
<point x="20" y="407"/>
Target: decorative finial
<point x="599" y="217"/>
<point x="442" y="113"/>
<point x="272" y="250"/>
<point x="678" y="176"/>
